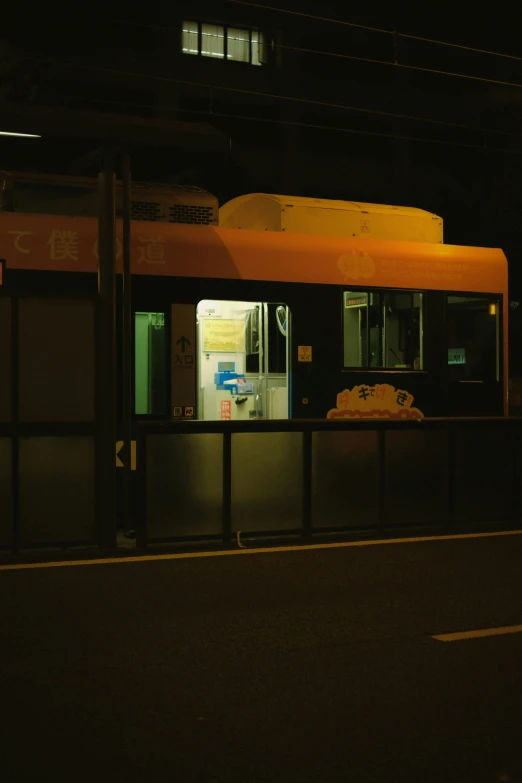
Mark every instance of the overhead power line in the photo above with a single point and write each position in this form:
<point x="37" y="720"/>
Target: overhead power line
<point x="354" y="131"/>
<point x="370" y="60"/>
<point x="342" y="22"/>
<point x="287" y="98"/>
<point x="395" y="64"/>
<point x="312" y="16"/>
<point x="295" y="123"/>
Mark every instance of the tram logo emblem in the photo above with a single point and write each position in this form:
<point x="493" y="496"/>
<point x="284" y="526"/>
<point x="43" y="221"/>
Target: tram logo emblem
<point x="381" y="401"/>
<point x="355" y="265"/>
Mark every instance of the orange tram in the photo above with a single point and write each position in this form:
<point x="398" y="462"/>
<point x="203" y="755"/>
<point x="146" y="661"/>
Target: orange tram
<point x="240" y="323"/>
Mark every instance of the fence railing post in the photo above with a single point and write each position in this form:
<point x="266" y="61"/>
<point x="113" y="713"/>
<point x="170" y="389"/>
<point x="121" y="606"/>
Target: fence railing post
<point x="15" y="418"/>
<point x="382" y="478"/>
<point x="307" y="483"/>
<point x="227" y="486"/>
<point x="140" y="484"/>
<point x="452" y="462"/>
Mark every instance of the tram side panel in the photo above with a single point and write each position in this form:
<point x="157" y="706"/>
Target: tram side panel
<point x="438" y="365"/>
<point x="462" y="338"/>
<point x="332" y="358"/>
<point x="377" y="350"/>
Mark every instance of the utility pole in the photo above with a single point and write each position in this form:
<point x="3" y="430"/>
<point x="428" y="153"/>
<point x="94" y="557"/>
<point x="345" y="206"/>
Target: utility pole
<point x="106" y="342"/>
<point x="127" y="505"/>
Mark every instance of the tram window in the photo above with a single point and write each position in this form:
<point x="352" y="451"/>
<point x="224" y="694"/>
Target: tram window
<point x="383" y="330"/>
<point x="473" y="345"/>
<point x="150" y="365"/>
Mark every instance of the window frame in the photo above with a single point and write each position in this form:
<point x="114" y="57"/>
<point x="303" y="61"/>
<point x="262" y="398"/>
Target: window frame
<point x="226" y="28"/>
<point x="382" y="292"/>
<point x="492" y="298"/>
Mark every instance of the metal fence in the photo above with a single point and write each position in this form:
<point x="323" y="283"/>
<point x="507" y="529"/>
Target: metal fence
<point x="213" y="480"/>
<point x="198" y="481"/>
<point x="48" y="469"/>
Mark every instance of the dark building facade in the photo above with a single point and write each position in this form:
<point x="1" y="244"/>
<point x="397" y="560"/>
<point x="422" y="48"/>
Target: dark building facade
<point x="323" y="102"/>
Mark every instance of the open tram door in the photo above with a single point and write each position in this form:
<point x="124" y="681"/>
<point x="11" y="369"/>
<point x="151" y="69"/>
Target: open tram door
<point x="242" y="360"/>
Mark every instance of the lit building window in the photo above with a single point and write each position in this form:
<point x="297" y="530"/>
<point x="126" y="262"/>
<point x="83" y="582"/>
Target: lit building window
<point x="225" y="43"/>
<point x="212" y="41"/>
<point x="258" y="48"/>
<point x="190" y="38"/>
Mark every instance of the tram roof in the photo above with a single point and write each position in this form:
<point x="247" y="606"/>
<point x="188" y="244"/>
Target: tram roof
<point x="63" y="243"/>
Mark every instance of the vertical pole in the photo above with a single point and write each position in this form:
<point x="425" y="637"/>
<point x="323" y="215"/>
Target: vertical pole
<point x="227" y="489"/>
<point x="381" y="522"/>
<point x="127" y="504"/>
<point x="266" y="406"/>
<point x="107" y="351"/>
<point x="15" y="418"/>
<point x="452" y="432"/>
<point x="307" y="482"/>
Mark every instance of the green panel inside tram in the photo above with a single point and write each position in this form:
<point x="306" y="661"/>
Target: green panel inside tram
<point x="149" y="364"/>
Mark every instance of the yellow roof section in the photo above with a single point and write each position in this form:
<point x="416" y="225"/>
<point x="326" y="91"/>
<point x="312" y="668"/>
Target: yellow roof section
<point x="330" y="218"/>
<point x="323" y="203"/>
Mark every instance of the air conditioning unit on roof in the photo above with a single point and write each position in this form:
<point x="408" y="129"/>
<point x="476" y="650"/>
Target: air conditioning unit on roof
<point x="295" y="214"/>
<point x="78" y="196"/>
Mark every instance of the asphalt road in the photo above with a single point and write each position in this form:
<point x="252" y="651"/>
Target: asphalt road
<point x="315" y="665"/>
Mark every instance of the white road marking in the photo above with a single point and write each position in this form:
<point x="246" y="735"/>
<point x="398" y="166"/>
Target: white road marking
<point x="456" y="637"/>
<point x="258" y="551"/>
